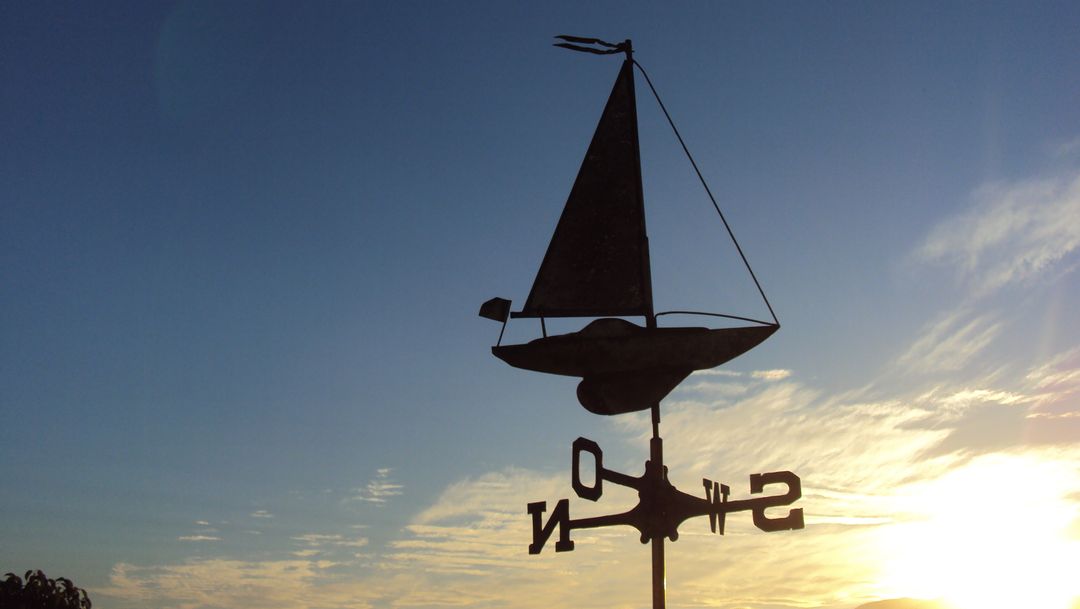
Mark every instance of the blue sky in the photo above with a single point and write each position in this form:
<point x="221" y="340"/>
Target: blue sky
<point x="243" y="246"/>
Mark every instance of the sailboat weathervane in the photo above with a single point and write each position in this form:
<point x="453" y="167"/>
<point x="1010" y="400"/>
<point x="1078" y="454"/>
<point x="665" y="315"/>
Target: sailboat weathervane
<point x="597" y="266"/>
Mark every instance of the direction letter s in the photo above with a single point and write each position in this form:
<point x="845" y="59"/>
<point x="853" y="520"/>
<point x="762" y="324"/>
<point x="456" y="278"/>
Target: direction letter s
<point x="794" y="518"/>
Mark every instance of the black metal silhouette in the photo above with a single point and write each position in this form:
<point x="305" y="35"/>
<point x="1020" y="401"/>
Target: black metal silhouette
<point x="597" y="265"/>
<point x="661" y="507"/>
<point x="583" y="274"/>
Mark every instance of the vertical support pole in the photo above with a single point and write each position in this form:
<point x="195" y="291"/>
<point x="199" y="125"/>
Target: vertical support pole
<point x="656" y="456"/>
<point x="658" y="584"/>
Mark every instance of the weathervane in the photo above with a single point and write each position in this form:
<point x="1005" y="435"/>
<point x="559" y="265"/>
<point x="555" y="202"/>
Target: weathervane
<point x="597" y="265"/>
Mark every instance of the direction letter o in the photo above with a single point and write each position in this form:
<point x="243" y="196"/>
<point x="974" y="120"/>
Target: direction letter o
<point x="592" y="493"/>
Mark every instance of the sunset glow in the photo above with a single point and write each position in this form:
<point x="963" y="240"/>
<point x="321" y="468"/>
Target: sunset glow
<point x="244" y="245"/>
<point x="992" y="534"/>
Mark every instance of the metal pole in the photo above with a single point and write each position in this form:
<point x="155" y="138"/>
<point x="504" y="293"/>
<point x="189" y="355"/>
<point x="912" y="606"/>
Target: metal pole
<point x="656" y="455"/>
<point x="658" y="583"/>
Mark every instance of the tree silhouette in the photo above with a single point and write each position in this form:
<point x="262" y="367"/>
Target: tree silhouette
<point x="40" y="592"/>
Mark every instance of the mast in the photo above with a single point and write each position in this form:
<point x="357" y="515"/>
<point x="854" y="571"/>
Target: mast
<point x="646" y="265"/>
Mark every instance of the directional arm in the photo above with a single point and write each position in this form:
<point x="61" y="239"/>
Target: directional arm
<point x="661" y="507"/>
<point x="683" y="506"/>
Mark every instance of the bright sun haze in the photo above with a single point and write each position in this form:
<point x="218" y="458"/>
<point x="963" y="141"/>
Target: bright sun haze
<point x="992" y="534"/>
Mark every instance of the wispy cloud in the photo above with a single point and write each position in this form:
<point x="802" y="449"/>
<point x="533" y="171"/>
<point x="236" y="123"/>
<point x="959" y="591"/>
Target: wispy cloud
<point x="319" y="540"/>
<point x="1049" y="415"/>
<point x="716" y="372"/>
<point x="261" y="514"/>
<point x="874" y="466"/>
<point x="198" y="538"/>
<point x="1011" y="233"/>
<point x="715" y="389"/>
<point x="966" y="397"/>
<point x="379" y="489"/>
<point x="858" y="457"/>
<point x="1067" y="148"/>
<point x="950" y="342"/>
<point x="771" y="375"/>
<point x="272" y="584"/>
<point x="1056" y="384"/>
<point x="1061" y="372"/>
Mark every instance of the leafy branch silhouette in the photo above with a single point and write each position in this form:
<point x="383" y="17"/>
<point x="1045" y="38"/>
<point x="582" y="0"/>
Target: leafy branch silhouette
<point x="41" y="592"/>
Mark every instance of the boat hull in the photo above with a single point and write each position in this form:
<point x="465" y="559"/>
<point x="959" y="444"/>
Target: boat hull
<point x="625" y="367"/>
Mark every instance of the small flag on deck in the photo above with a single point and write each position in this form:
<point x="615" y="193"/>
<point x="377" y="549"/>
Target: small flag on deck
<point x="496" y="308"/>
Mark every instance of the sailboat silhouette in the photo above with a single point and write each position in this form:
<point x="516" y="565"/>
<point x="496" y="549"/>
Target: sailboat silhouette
<point x="597" y="265"/>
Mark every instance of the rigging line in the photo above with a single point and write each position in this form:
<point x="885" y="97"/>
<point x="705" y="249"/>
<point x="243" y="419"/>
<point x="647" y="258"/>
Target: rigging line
<point x="725" y="315"/>
<point x="707" y="191"/>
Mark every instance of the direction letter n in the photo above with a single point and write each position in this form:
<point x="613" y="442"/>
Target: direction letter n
<point x="559" y="516"/>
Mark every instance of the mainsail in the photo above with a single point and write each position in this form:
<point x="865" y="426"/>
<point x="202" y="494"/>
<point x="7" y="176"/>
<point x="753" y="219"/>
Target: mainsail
<point x="597" y="263"/>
